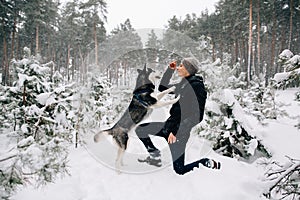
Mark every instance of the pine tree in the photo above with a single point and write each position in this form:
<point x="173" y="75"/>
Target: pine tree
<point x="228" y="129"/>
<point x="179" y="43"/>
<point x="36" y="124"/>
<point x="153" y="46"/>
<point x="290" y="63"/>
<point x="96" y="103"/>
<point x="121" y="52"/>
<point x="225" y="123"/>
<point x="153" y="41"/>
<point x="260" y="102"/>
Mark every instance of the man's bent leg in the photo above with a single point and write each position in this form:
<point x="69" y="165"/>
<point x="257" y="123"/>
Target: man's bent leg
<point x="178" y="156"/>
<point x="144" y="130"/>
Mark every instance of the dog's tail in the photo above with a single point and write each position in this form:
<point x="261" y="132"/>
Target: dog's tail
<point x="100" y="134"/>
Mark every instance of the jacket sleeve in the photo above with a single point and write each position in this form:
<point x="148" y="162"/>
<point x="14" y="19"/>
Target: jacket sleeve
<point x="165" y="80"/>
<point x="172" y="125"/>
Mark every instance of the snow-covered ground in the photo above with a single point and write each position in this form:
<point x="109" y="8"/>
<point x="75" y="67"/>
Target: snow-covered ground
<point x="93" y="177"/>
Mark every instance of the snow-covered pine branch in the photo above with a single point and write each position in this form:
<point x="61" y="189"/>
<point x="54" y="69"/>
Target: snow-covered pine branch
<point x="225" y="122"/>
<point x="29" y="112"/>
<point x="290" y="77"/>
<point x="8" y="156"/>
<point x="284" y="181"/>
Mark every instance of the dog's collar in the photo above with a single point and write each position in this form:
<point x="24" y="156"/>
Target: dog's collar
<point x="137" y="96"/>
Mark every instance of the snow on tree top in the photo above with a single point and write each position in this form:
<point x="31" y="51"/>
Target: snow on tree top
<point x="228" y="98"/>
<point x="286" y="54"/>
<point x="295" y="60"/>
<point x="46" y="98"/>
<point x="22" y="79"/>
<point x="281" y="76"/>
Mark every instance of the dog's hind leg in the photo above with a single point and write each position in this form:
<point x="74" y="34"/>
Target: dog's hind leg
<point x="101" y="134"/>
<point x="119" y="160"/>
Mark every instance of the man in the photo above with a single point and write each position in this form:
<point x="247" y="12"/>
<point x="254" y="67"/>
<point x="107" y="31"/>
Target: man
<point x="184" y="115"/>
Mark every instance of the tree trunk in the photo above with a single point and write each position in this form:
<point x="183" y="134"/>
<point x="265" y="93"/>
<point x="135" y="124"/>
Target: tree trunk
<point x="81" y="68"/>
<point x="68" y="61"/>
<point x="249" y="44"/>
<point x="283" y="44"/>
<point x="273" y="45"/>
<point x="117" y="73"/>
<point x="126" y="68"/>
<point x="49" y="49"/>
<point x="291" y="23"/>
<point x="13" y="39"/>
<point x="258" y="37"/>
<point x="253" y="67"/>
<point x="24" y="95"/>
<point x="270" y="66"/>
<point x="213" y="53"/>
<point x="221" y="50"/>
<point x="18" y="54"/>
<point x="96" y="44"/>
<point x="236" y="46"/>
<point x="5" y="67"/>
<point x="243" y="50"/>
<point x="73" y="67"/>
<point x="36" y="39"/>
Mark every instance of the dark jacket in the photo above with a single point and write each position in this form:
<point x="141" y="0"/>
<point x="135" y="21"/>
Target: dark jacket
<point x="189" y="110"/>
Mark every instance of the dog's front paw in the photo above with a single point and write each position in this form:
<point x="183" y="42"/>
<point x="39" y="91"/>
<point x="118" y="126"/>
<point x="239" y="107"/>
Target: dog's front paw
<point x="177" y="98"/>
<point x="172" y="89"/>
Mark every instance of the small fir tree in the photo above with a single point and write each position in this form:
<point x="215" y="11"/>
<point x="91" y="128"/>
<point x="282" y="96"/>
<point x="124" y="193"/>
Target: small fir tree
<point x="290" y="77"/>
<point x="38" y="143"/>
<point x="225" y="122"/>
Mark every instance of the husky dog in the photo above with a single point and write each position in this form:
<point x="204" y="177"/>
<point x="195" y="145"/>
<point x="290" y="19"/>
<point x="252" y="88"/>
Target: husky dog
<point x="142" y="103"/>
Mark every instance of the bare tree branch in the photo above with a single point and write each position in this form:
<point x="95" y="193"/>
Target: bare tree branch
<point x="8" y="156"/>
<point x="283" y="178"/>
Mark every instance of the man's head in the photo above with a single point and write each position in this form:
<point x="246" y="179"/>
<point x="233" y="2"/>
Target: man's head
<point x="188" y="66"/>
<point x="191" y="64"/>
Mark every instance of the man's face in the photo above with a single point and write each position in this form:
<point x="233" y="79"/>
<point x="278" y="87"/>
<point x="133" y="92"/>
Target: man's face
<point x="182" y="72"/>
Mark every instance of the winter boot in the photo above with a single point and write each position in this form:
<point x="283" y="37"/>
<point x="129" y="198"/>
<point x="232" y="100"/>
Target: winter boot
<point x="154" y="158"/>
<point x="210" y="163"/>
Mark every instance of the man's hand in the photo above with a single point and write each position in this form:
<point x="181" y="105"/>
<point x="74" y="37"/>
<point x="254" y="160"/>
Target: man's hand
<point x="172" y="65"/>
<point x="171" y="138"/>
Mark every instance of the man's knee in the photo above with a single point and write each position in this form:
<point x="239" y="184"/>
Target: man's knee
<point x="139" y="130"/>
<point x="179" y="170"/>
<point x="178" y="165"/>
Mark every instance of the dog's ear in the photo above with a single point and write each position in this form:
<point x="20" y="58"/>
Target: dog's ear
<point x="139" y="71"/>
<point x="145" y="67"/>
<point x="149" y="70"/>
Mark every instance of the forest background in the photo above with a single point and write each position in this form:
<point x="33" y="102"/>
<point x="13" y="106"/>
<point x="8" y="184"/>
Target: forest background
<point x="63" y="76"/>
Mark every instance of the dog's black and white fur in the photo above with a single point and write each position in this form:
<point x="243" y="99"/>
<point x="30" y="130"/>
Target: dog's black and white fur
<point x="142" y="103"/>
